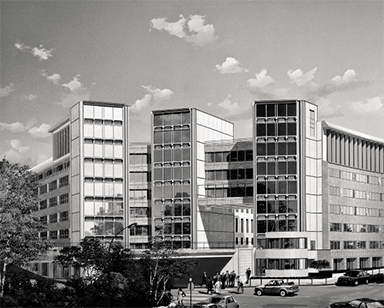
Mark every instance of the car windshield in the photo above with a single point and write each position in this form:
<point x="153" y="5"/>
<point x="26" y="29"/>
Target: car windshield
<point x="352" y="274"/>
<point x="216" y="300"/>
<point x="356" y="303"/>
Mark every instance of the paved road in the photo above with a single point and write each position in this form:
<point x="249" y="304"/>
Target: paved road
<point x="308" y="296"/>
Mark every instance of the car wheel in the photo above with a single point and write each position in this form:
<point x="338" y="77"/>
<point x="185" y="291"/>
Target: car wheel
<point x="356" y="283"/>
<point x="283" y="293"/>
<point x="259" y="292"/>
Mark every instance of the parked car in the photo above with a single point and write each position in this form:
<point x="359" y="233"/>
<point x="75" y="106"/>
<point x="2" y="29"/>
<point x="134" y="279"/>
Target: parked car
<point x="358" y="303"/>
<point x="354" y="277"/>
<point x="378" y="278"/>
<point x="218" y="301"/>
<point x="277" y="287"/>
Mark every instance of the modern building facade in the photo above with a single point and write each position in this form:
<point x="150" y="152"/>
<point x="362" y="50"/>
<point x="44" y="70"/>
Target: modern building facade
<point x="297" y="190"/>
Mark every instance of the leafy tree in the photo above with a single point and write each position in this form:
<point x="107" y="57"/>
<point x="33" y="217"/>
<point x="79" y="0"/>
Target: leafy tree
<point x="318" y="264"/>
<point x="19" y="232"/>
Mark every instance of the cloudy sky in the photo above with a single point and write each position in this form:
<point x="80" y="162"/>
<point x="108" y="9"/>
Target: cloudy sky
<point x="218" y="56"/>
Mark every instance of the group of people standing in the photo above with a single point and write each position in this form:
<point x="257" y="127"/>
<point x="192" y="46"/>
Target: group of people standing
<point x="224" y="280"/>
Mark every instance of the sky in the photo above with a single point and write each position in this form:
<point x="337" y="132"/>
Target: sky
<point x="217" y="56"/>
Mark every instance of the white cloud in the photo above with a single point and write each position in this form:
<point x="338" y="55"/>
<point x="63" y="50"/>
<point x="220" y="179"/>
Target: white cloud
<point x="55" y="78"/>
<point x="262" y="80"/>
<point x="31" y="97"/>
<point x="154" y="96"/>
<point x="16" y="127"/>
<point x="230" y="66"/>
<point x="372" y="105"/>
<point x="16" y="144"/>
<point x="7" y="90"/>
<point x="78" y="92"/>
<point x="15" y="153"/>
<point x="300" y="78"/>
<point x="229" y="106"/>
<point x="348" y="77"/>
<point x="194" y="31"/>
<point x="41" y="52"/>
<point x="41" y="131"/>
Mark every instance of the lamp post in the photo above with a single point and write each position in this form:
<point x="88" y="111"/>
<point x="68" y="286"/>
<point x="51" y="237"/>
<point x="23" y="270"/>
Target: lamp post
<point x="134" y="224"/>
<point x="191" y="286"/>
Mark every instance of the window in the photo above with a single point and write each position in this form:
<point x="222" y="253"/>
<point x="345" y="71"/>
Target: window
<point x="43" y="220"/>
<point x="64" y="216"/>
<point x="43" y="204"/>
<point x="64" y="199"/>
<point x="43" y="189"/>
<point x="53" y="185"/>
<point x="334" y="191"/>
<point x="335" y="227"/>
<point x="52" y="201"/>
<point x="53" y="218"/>
<point x="64" y="181"/>
<point x="334" y="173"/>
<point x="53" y="235"/>
<point x="312" y="122"/>
<point x="44" y="269"/>
<point x="64" y="234"/>
<point x="335" y="244"/>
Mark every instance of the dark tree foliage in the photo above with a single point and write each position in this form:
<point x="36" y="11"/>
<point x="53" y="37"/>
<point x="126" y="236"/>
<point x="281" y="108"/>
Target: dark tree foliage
<point x="318" y="264"/>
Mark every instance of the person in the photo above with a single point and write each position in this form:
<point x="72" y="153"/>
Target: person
<point x="209" y="286"/>
<point x="204" y="279"/>
<point x="240" y="285"/>
<point x="248" y="274"/>
<point x="218" y="287"/>
<point x="227" y="281"/>
<point x="232" y="278"/>
<point x="180" y="295"/>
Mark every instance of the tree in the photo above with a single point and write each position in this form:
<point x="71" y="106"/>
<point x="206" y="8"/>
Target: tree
<point x="319" y="264"/>
<point x="19" y="232"/>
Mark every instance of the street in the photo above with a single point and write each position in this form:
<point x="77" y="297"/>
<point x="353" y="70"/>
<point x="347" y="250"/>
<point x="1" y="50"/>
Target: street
<point x="308" y="296"/>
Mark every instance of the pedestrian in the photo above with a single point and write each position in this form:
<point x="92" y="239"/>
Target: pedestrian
<point x="180" y="295"/>
<point x="240" y="285"/>
<point x="209" y="285"/>
<point x="227" y="281"/>
<point x="204" y="279"/>
<point x="248" y="274"/>
<point x="223" y="280"/>
<point x="218" y="287"/>
<point x="232" y="278"/>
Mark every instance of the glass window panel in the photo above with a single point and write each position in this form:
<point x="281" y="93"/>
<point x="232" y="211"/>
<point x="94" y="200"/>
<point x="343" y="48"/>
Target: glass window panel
<point x="233" y="156"/>
<point x="186" y="228"/>
<point x="157" y="156"/>
<point x="88" y="169"/>
<point x="282" y="167"/>
<point x="109" y="228"/>
<point x="177" y="119"/>
<point x="118" y="114"/>
<point x="292" y="167"/>
<point x="89" y="228"/>
<point x="89" y="208"/>
<point x="281" y="129"/>
<point x="176" y="154"/>
<point x="108" y="170"/>
<point x="88" y="149"/>
<point x="98" y="131"/>
<point x="218" y="157"/>
<point x="178" y="228"/>
<point x="186" y="190"/>
<point x="249" y="173"/>
<point x="118" y="132"/>
<point x="261" y="226"/>
<point x="99" y="208"/>
<point x="186" y="209"/>
<point x="282" y="148"/>
<point x="88" y="111"/>
<point x="261" y="188"/>
<point x="282" y="225"/>
<point x="261" y="149"/>
<point x="261" y="168"/>
<point x="168" y="155"/>
<point x="292" y="224"/>
<point x="271" y="170"/>
<point x="167" y="119"/>
<point x="118" y="189"/>
<point x="261" y="129"/>
<point x="108" y="114"/>
<point x="291" y="128"/>
<point x="271" y="149"/>
<point x="168" y="210"/>
<point x="167" y="136"/>
<point x="291" y="109"/>
<point x="158" y="137"/>
<point x="99" y="228"/>
<point x="271" y="110"/>
<point x="292" y="187"/>
<point x="178" y="209"/>
<point x="282" y="187"/>
<point x="168" y="173"/>
<point x="282" y="206"/>
<point x="185" y="135"/>
<point x="158" y="119"/>
<point x="271" y="129"/>
<point x="168" y="191"/>
<point x="186" y="154"/>
<point x="260" y="110"/>
<point x="271" y="187"/>
<point x="98" y="189"/>
<point x="225" y="156"/>
<point x="241" y="155"/>
<point x="272" y="225"/>
<point x="186" y="118"/>
<point x="98" y="150"/>
<point x="118" y="151"/>
<point x="158" y="192"/>
<point x="88" y="189"/>
<point x="281" y="110"/>
<point x="292" y="206"/>
<point x="98" y="112"/>
<point x="157" y="174"/>
<point x="118" y="170"/>
<point x="108" y="150"/>
<point x="88" y="130"/>
<point x="98" y="170"/>
<point x="291" y="148"/>
<point x="177" y="173"/>
<point x="108" y="132"/>
<point x="176" y="136"/>
<point x="249" y="155"/>
<point x="167" y="228"/>
<point x="271" y="205"/>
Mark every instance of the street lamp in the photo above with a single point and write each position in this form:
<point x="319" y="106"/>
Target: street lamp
<point x="134" y="224"/>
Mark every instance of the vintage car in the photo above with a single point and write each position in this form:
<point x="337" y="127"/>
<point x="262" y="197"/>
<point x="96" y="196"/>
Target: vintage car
<point x="358" y="303"/>
<point x="277" y="287"/>
<point x="218" y="301"/>
<point x="354" y="278"/>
